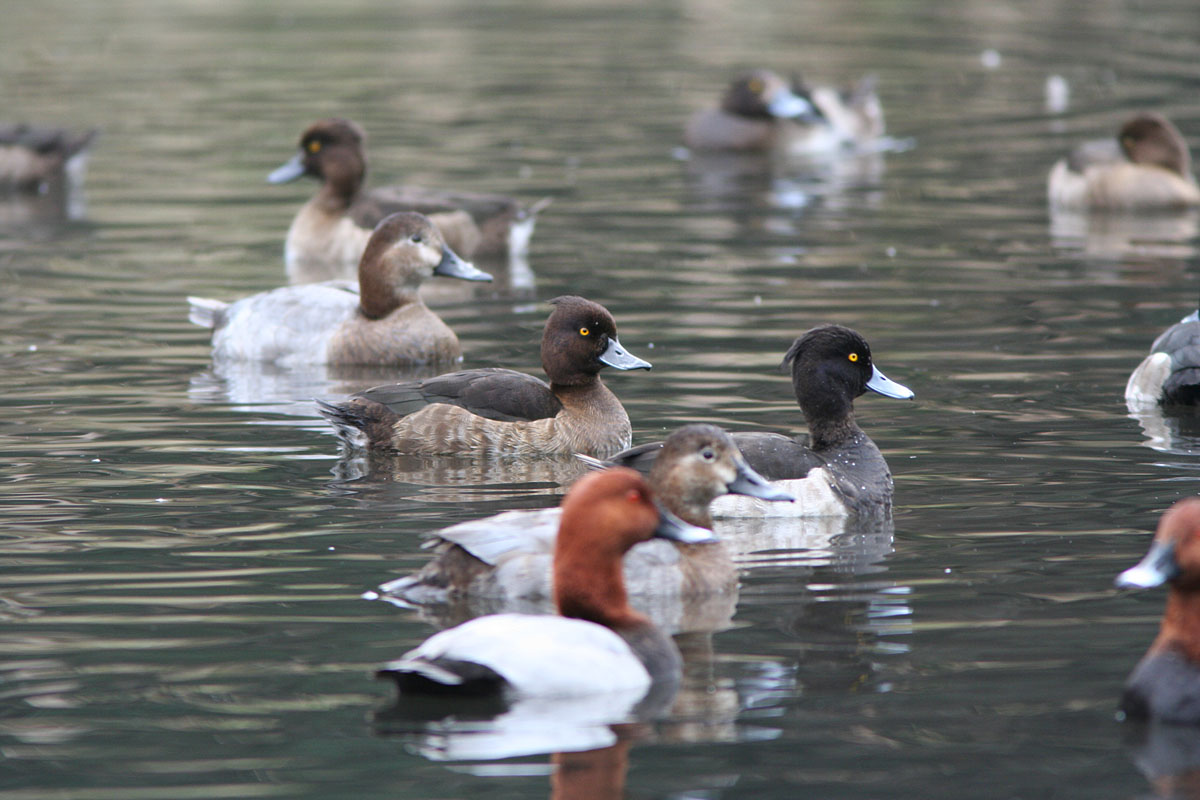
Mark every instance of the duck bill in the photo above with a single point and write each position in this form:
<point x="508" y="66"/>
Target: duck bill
<point x="289" y="171"/>
<point x="673" y="528"/>
<point x="618" y="357"/>
<point x="1158" y="567"/>
<point x="451" y="266"/>
<point x="751" y="484"/>
<point x="789" y="105"/>
<point x="882" y="384"/>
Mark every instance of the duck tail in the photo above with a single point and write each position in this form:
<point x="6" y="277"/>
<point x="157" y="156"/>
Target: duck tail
<point x="359" y="422"/>
<point x="205" y="312"/>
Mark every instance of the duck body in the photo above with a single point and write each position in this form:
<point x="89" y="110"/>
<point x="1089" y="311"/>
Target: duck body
<point x="1165" y="684"/>
<point x="507" y="557"/>
<point x="503" y="412"/>
<point x="836" y="470"/>
<point x="1170" y="375"/>
<point x="1146" y="168"/>
<point x="31" y="156"/>
<point x="381" y="321"/>
<point x="597" y="645"/>
<point x="328" y="234"/>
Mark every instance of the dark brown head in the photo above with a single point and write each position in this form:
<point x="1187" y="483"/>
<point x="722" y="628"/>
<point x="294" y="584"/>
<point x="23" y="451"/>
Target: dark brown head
<point x="1151" y="139"/>
<point x="1174" y="555"/>
<point x="579" y="340"/>
<point x="831" y="365"/>
<point x="762" y="94"/>
<point x="699" y="463"/>
<point x="403" y="252"/>
<point x="332" y="151"/>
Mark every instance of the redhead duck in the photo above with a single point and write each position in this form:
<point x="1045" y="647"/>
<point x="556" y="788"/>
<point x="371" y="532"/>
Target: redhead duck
<point x="837" y="470"/>
<point x="384" y="322"/>
<point x="502" y="412"/>
<point x="1170" y="375"/>
<point x="1146" y="167"/>
<point x="507" y="556"/>
<point x="1165" y="685"/>
<point x="330" y="231"/>
<point x="31" y="157"/>
<point x="761" y="111"/>
<point x="598" y="644"/>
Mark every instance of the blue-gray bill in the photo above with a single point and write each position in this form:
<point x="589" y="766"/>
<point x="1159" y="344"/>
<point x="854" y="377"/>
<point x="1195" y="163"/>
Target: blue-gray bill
<point x="1156" y="568"/>
<point x="451" y="266"/>
<point x="618" y="357"/>
<point x="887" y="387"/>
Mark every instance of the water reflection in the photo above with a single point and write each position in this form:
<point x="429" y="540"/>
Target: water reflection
<point x="1168" y="755"/>
<point x="1113" y="236"/>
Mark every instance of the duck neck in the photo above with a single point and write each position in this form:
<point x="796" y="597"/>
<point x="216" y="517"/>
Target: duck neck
<point x="379" y="297"/>
<point x="339" y="191"/>
<point x="591" y="586"/>
<point x="830" y="432"/>
<point x="1181" y="623"/>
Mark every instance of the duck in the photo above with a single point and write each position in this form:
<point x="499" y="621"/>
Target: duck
<point x="1165" y="684"/>
<point x="836" y="470"/>
<point x="501" y="412"/>
<point x="1146" y="168"/>
<point x="508" y="556"/>
<point x="382" y="321"/>
<point x="1170" y="375"/>
<point x="596" y="644"/>
<point x="760" y="110"/>
<point x="32" y="156"/>
<point x="330" y="231"/>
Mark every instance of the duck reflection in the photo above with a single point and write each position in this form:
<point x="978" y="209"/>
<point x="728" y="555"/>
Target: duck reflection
<point x="41" y="177"/>
<point x="1168" y="755"/>
<point x="257" y="387"/>
<point x="1176" y="431"/>
<point x="1109" y="236"/>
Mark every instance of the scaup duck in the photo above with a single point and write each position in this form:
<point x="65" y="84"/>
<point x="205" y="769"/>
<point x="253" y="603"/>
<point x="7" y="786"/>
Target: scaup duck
<point x="597" y="644"/>
<point x="1170" y="375"/>
<point x="507" y="556"/>
<point x="330" y="231"/>
<point x="1146" y="167"/>
<point x="32" y="156"/>
<point x="1165" y="685"/>
<point x="382" y="321"/>
<point x="501" y="412"/>
<point x="836" y="470"/>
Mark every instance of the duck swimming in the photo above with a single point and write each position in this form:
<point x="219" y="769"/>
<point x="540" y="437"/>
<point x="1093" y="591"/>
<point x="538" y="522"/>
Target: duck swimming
<point x="762" y="111"/>
<point x="382" y="321"/>
<point x="1165" y="685"/>
<point x="507" y="556"/>
<point x="837" y="470"/>
<point x="330" y="231"/>
<point x="502" y="412"/>
<point x="597" y="644"/>
<point x="1146" y="167"/>
<point x="1170" y="375"/>
<point x="31" y="156"/>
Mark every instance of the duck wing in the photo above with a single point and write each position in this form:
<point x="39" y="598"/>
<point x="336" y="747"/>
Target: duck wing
<point x="500" y="394"/>
<point x="376" y="204"/>
<point x="1096" y="152"/>
<point x="777" y="457"/>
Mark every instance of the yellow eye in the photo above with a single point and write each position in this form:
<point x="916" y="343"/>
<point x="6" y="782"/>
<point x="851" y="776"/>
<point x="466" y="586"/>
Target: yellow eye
<point x="314" y="146"/>
<point x="756" y="86"/>
<point x="853" y="356"/>
<point x="584" y="331"/>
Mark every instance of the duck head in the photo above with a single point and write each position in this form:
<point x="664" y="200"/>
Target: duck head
<point x="579" y="340"/>
<point x="603" y="515"/>
<point x="699" y="463"/>
<point x="332" y="151"/>
<point x="762" y="94"/>
<point x="1151" y="139"/>
<point x="405" y="250"/>
<point x="831" y="366"/>
<point x="1174" y="556"/>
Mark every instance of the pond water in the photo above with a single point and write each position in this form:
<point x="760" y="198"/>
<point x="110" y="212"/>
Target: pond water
<point x="183" y="552"/>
